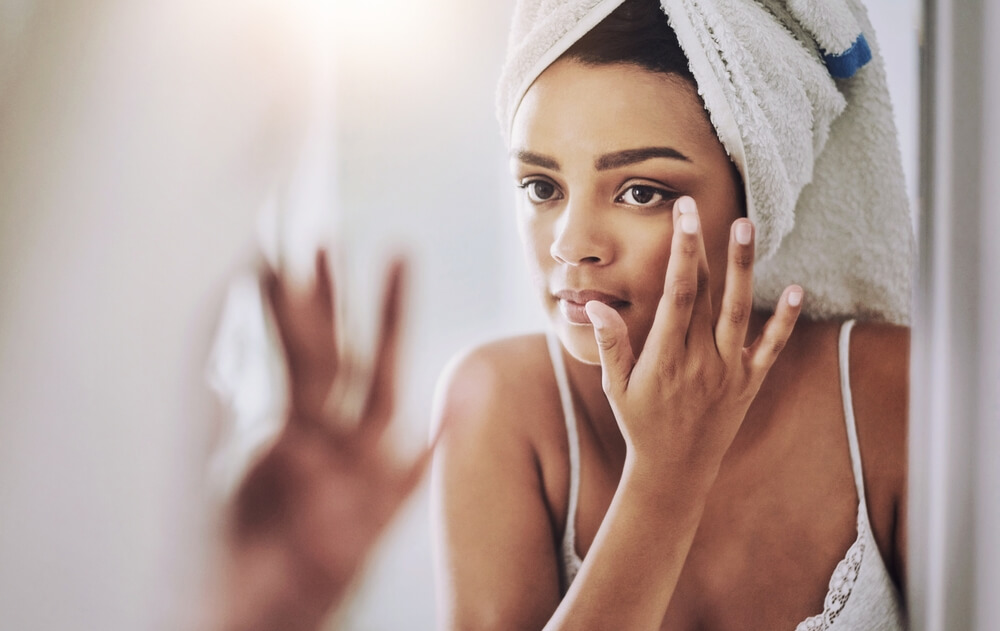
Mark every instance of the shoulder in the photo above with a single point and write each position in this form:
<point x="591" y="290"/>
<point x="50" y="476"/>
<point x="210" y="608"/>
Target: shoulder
<point x="494" y="375"/>
<point x="498" y="363"/>
<point x="495" y="467"/>
<point x="496" y="393"/>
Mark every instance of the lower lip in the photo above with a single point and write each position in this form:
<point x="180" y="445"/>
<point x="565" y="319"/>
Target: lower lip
<point x="574" y="312"/>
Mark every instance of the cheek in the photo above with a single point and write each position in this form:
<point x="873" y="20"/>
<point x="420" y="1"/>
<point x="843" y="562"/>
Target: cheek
<point x="649" y="264"/>
<point x="646" y="269"/>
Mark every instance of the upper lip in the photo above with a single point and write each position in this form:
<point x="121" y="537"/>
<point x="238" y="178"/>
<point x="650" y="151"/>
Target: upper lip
<point x="582" y="297"/>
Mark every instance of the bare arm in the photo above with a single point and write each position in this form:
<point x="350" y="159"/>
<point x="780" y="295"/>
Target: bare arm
<point x="495" y="542"/>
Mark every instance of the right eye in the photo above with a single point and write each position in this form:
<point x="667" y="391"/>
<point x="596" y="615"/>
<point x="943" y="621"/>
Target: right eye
<point x="540" y="191"/>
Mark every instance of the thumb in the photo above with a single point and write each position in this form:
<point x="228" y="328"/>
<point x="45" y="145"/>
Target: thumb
<point x="613" y="345"/>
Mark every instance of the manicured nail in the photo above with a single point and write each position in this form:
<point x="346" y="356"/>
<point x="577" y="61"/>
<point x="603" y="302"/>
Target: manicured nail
<point x="795" y="297"/>
<point x="689" y="223"/>
<point x="743" y="233"/>
<point x="686" y="205"/>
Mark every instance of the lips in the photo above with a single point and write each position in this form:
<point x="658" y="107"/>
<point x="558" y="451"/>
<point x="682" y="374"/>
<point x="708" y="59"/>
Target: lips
<point x="572" y="303"/>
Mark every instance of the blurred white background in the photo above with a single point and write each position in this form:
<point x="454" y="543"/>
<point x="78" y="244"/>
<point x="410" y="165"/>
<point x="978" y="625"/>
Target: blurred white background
<point x="114" y="260"/>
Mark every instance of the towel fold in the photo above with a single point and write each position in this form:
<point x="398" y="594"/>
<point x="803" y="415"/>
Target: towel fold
<point x="796" y="91"/>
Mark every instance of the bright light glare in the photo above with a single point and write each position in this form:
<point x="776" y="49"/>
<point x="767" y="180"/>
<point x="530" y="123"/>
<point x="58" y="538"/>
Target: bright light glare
<point x="402" y="37"/>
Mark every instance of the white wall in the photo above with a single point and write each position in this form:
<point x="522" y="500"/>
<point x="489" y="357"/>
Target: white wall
<point x="422" y="162"/>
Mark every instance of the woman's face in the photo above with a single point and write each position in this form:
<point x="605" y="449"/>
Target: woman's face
<point x="601" y="154"/>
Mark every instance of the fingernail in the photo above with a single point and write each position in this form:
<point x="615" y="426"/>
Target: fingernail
<point x="686" y="205"/>
<point x="689" y="224"/>
<point x="595" y="317"/>
<point x="743" y="233"/>
<point x="795" y="297"/>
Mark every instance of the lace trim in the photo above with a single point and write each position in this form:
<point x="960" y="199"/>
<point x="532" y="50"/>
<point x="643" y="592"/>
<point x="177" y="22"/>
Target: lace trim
<point x="841" y="585"/>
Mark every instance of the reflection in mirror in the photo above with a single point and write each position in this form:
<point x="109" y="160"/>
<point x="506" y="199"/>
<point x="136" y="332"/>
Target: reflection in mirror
<point x="470" y="281"/>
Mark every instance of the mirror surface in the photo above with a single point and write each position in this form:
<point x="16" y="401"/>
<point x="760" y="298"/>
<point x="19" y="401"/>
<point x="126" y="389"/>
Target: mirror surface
<point x="420" y="157"/>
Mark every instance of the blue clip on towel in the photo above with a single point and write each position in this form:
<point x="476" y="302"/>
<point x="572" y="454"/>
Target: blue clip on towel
<point x="844" y="65"/>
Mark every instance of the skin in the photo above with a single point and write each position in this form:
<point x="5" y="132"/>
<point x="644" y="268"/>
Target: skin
<point x="311" y="509"/>
<point x="716" y="486"/>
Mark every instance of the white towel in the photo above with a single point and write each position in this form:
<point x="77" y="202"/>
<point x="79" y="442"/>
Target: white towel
<point x="797" y="94"/>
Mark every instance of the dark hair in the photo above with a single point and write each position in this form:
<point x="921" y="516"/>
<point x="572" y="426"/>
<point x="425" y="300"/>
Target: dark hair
<point x="637" y="32"/>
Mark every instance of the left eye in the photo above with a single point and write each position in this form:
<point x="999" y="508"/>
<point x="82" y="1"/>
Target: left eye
<point x="640" y="195"/>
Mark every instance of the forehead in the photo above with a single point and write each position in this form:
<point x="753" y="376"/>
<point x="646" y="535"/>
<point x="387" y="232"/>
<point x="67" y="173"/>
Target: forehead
<point x="597" y="108"/>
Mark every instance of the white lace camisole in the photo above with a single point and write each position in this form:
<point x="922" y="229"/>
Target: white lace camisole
<point x="861" y="594"/>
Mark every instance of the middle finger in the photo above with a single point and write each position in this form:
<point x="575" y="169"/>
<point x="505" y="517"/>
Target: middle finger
<point x="681" y="282"/>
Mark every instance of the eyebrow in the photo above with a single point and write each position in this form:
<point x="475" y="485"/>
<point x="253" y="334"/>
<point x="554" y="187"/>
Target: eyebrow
<point x="607" y="161"/>
<point x="633" y="156"/>
<point x="536" y="159"/>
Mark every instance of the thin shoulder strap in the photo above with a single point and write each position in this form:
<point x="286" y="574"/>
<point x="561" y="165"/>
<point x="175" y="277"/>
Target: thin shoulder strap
<point x="845" y="391"/>
<point x="566" y="397"/>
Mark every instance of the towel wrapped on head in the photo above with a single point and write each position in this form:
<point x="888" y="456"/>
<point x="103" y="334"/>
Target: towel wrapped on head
<point x="797" y="94"/>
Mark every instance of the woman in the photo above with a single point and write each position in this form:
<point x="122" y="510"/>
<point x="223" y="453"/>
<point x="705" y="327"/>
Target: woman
<point x="671" y="457"/>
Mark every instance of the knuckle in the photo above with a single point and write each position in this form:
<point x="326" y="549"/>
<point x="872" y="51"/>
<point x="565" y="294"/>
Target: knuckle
<point x="607" y="343"/>
<point x="777" y="345"/>
<point x="708" y="379"/>
<point x="739" y="313"/>
<point x="669" y="370"/>
<point x="743" y="259"/>
<point x="683" y="293"/>
<point x="701" y="382"/>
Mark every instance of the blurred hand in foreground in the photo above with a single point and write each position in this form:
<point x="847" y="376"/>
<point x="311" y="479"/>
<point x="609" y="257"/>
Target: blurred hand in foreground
<point x="312" y="507"/>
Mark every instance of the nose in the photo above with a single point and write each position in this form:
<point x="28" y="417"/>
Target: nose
<point x="581" y="237"/>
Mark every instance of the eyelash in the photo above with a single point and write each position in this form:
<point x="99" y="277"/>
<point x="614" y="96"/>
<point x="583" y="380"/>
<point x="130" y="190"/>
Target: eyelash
<point x="666" y="195"/>
<point x="527" y="186"/>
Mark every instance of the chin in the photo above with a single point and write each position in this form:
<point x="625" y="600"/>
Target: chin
<point x="579" y="342"/>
